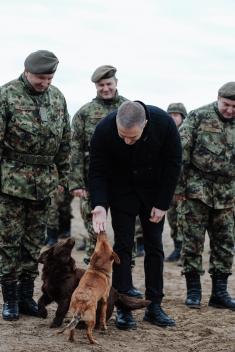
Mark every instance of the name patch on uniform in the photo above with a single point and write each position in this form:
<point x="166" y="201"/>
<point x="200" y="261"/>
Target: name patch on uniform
<point x="43" y="113"/>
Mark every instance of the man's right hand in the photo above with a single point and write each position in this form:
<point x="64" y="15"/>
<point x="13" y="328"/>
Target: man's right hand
<point x="99" y="219"/>
<point x="81" y="193"/>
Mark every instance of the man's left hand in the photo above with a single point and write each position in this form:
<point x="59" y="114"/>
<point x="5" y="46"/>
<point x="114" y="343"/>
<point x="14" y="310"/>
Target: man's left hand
<point x="157" y="215"/>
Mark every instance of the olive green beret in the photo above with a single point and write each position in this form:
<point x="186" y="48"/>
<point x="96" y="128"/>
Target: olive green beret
<point x="102" y="72"/>
<point x="41" y="62"/>
<point x="227" y="91"/>
<point x="177" y="107"/>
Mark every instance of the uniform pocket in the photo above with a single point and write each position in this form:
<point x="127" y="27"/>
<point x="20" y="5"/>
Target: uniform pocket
<point x="17" y="180"/>
<point x="56" y="125"/>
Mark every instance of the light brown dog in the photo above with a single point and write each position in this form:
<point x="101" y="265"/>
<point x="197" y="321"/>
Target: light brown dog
<point x="93" y="286"/>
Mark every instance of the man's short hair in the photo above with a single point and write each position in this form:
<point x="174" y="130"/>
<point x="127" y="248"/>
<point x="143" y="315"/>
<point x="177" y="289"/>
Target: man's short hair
<point x="130" y="114"/>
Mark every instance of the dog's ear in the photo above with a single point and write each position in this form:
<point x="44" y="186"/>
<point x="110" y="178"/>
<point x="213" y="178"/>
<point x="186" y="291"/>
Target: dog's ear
<point x="115" y="257"/>
<point x="94" y="258"/>
<point x="44" y="255"/>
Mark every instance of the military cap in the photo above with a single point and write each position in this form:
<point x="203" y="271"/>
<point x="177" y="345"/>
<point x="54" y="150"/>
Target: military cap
<point x="41" y="62"/>
<point x="177" y="107"/>
<point x="102" y="72"/>
<point x="227" y="91"/>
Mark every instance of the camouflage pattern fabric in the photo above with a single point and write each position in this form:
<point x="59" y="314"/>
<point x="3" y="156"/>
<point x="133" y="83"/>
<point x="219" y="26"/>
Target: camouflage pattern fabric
<point x="35" y="158"/>
<point x="60" y="210"/>
<point x="138" y="237"/>
<point x="208" y="183"/>
<point x="22" y="231"/>
<point x="24" y="132"/>
<point x="172" y="217"/>
<point x="172" y="213"/>
<point x="65" y="213"/>
<point x="195" y="218"/>
<point x="208" y="171"/>
<point x="85" y="209"/>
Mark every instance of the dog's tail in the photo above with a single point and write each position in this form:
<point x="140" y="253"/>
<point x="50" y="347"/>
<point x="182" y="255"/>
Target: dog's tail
<point x="126" y="302"/>
<point x="72" y="325"/>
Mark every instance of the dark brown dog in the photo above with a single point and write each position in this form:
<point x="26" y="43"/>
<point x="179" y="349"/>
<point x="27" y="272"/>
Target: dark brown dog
<point x="60" y="278"/>
<point x="93" y="287"/>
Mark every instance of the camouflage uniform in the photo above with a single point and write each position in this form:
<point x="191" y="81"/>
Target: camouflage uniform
<point x="83" y="126"/>
<point x="172" y="217"/>
<point x="208" y="182"/>
<point x="172" y="213"/>
<point x="34" y="150"/>
<point x="138" y="250"/>
<point x="60" y="214"/>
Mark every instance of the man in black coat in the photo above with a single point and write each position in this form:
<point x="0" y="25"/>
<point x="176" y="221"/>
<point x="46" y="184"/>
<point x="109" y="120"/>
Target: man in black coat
<point x="135" y="164"/>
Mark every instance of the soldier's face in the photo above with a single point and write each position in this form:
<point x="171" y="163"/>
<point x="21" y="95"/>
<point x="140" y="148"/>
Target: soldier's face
<point x="226" y="107"/>
<point x="130" y="135"/>
<point x="177" y="117"/>
<point x="106" y="88"/>
<point x="39" y="82"/>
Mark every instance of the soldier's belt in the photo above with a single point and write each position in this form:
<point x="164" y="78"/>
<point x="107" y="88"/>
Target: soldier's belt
<point x="28" y="158"/>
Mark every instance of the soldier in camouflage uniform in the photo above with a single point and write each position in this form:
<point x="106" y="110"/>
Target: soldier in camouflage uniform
<point x="207" y="193"/>
<point x="34" y="154"/>
<point x="178" y="112"/>
<point x="83" y="126"/>
<point x="59" y="217"/>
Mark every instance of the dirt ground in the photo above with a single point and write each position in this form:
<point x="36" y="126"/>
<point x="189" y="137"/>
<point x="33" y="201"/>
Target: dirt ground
<point x="204" y="330"/>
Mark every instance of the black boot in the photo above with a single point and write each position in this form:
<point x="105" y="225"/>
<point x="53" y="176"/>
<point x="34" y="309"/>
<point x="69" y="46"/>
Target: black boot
<point x="155" y="315"/>
<point x="10" y="306"/>
<point x="175" y="255"/>
<point x="194" y="294"/>
<point x="220" y="298"/>
<point x="125" y="320"/>
<point x="27" y="305"/>
<point x="52" y="236"/>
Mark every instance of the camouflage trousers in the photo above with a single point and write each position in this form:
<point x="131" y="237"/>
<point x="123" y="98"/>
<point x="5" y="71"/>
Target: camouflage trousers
<point x="22" y="233"/>
<point x="172" y="217"/>
<point x="85" y="209"/>
<point x="60" y="210"/>
<point x="195" y="218"/>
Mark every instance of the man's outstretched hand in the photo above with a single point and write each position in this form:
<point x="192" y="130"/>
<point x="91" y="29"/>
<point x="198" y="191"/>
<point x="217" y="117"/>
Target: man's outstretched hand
<point x="99" y="219"/>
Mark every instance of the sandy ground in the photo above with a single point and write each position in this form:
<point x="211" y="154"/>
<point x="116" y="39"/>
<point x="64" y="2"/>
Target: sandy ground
<point x="204" y="330"/>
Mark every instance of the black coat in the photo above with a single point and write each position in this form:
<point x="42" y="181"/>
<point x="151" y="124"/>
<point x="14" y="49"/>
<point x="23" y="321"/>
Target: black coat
<point x="121" y="175"/>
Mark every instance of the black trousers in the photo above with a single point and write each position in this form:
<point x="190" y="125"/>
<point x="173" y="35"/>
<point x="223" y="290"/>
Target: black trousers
<point x="123" y="224"/>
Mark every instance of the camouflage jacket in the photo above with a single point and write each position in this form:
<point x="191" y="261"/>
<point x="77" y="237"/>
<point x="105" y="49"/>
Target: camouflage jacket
<point x="208" y="171"/>
<point x="34" y="147"/>
<point x="83" y="126"/>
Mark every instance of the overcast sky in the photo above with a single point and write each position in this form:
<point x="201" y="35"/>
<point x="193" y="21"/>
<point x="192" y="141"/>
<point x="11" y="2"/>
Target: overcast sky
<point x="164" y="50"/>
